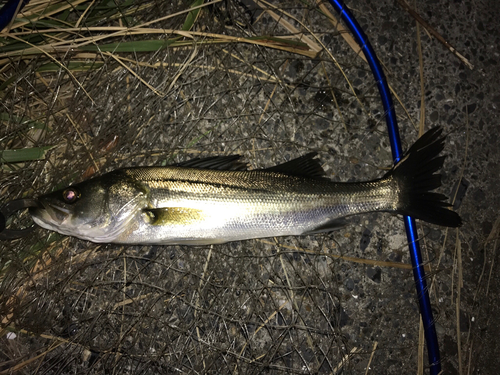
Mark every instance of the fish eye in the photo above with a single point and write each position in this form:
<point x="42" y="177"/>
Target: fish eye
<point x="71" y="195"/>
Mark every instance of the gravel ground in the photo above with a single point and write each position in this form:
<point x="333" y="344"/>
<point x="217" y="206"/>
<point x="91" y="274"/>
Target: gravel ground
<point x="332" y="303"/>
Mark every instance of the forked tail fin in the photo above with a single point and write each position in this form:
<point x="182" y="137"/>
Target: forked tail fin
<point x="416" y="177"/>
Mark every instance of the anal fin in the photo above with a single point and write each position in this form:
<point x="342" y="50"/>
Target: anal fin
<point x="329" y="226"/>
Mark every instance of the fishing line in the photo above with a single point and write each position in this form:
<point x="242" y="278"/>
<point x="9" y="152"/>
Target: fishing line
<point x="410" y="225"/>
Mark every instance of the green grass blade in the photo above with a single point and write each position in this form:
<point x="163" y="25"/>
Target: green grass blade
<point x="74" y="66"/>
<point x="191" y="17"/>
<point x="17" y="45"/>
<point x="8" y="82"/>
<point x="30" y="124"/>
<point x="24" y="154"/>
<point x="136" y="46"/>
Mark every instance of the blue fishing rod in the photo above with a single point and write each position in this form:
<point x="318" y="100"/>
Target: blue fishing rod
<point x="8" y="10"/>
<point x="411" y="229"/>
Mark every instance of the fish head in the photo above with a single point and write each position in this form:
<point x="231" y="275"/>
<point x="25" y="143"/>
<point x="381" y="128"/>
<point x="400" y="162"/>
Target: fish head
<point x="97" y="210"/>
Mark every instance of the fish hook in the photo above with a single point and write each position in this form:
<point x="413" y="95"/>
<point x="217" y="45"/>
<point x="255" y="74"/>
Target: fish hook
<point x="7" y="210"/>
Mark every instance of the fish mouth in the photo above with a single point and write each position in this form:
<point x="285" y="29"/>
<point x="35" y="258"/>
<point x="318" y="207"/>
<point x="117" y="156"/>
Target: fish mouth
<point x="49" y="213"/>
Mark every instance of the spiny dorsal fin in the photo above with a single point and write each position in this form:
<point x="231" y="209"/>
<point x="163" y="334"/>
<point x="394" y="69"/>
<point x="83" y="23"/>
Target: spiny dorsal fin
<point x="303" y="166"/>
<point x="225" y="163"/>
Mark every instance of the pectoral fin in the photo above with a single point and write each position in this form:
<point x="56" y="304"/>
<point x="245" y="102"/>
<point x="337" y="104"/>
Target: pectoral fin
<point x="172" y="216"/>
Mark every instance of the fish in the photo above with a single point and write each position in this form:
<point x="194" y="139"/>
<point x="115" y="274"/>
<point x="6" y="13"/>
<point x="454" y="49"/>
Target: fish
<point x="217" y="200"/>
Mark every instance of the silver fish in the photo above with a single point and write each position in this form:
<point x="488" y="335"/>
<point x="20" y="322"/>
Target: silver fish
<point x="208" y="201"/>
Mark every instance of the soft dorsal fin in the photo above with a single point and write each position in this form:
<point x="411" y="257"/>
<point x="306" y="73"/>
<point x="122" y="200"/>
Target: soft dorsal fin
<point x="303" y="166"/>
<point x="227" y="163"/>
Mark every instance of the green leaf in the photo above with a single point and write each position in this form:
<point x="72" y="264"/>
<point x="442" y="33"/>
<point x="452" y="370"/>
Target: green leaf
<point x="40" y="245"/>
<point x="74" y="66"/>
<point x="146" y="45"/>
<point x="136" y="46"/>
<point x="22" y="120"/>
<point x="43" y="23"/>
<point x="279" y="41"/>
<point x="24" y="154"/>
<point x="17" y="45"/>
<point x="8" y="82"/>
<point x="191" y="17"/>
